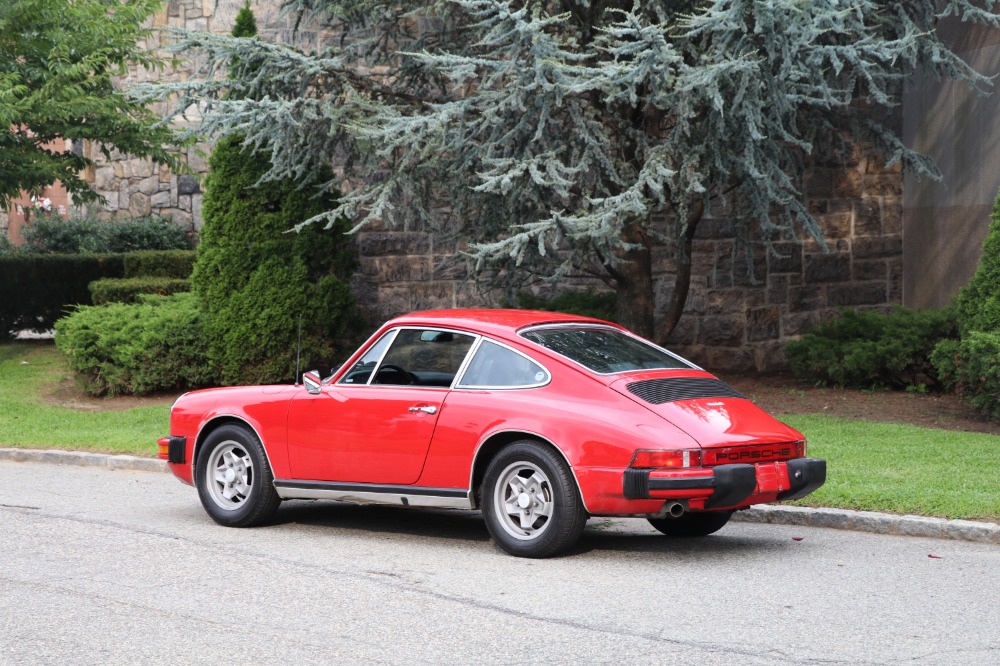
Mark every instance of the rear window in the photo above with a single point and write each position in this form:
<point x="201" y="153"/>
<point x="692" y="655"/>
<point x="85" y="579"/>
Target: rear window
<point x="604" y="350"/>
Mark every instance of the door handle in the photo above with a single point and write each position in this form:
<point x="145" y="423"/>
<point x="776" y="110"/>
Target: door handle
<point x="429" y="409"/>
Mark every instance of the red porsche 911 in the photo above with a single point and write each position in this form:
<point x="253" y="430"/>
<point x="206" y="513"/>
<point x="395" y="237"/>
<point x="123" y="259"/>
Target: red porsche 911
<point x="539" y="419"/>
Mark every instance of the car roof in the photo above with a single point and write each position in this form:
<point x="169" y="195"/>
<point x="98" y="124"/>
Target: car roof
<point x="498" y="322"/>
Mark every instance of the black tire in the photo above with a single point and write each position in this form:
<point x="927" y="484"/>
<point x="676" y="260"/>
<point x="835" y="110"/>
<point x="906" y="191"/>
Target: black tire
<point x="548" y="502"/>
<point x="234" y="479"/>
<point x="697" y="524"/>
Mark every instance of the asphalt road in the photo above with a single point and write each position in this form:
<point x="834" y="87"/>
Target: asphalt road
<point x="106" y="566"/>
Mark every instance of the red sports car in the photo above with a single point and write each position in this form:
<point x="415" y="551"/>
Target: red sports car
<point x="538" y="418"/>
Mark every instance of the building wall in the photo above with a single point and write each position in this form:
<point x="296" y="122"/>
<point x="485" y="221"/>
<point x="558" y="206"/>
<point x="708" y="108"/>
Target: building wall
<point x="945" y="223"/>
<point x="12" y="222"/>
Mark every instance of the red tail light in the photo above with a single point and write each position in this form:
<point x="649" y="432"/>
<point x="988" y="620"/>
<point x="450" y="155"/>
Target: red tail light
<point x="677" y="459"/>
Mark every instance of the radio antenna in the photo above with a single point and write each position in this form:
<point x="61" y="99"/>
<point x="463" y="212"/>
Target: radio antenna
<point x="298" y="352"/>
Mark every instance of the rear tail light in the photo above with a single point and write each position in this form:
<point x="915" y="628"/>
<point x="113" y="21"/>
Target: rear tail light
<point x="656" y="459"/>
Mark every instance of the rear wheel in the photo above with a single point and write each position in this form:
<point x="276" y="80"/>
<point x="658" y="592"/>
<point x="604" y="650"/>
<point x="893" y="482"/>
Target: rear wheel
<point x="697" y="524"/>
<point x="530" y="502"/>
<point x="234" y="480"/>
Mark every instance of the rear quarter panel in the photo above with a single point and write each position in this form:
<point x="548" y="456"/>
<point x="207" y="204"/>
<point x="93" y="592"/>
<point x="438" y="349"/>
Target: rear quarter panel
<point x="596" y="429"/>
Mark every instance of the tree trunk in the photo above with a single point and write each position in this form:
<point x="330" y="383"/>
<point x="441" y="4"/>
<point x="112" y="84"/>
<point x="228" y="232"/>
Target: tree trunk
<point x="682" y="278"/>
<point x="634" y="284"/>
<point x="635" y="309"/>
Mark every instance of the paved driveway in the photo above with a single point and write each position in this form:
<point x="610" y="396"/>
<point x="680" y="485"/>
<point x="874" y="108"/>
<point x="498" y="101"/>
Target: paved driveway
<point x="106" y="566"/>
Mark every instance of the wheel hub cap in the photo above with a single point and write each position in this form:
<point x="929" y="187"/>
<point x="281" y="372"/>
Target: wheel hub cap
<point x="523" y="497"/>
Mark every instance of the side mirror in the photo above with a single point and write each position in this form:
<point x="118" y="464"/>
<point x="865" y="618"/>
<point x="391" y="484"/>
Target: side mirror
<point x="312" y="381"/>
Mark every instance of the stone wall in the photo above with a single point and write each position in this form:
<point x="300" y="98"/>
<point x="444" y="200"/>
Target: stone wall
<point x="736" y="319"/>
<point x="137" y="187"/>
<point x="739" y="320"/>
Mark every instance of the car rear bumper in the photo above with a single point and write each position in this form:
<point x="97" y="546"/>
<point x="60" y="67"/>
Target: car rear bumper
<point x="728" y="485"/>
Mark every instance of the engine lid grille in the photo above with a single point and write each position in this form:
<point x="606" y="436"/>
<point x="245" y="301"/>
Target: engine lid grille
<point x="659" y="391"/>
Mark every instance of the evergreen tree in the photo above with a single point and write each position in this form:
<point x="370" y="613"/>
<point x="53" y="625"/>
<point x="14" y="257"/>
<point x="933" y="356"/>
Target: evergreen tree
<point x="583" y="135"/>
<point x="254" y="279"/>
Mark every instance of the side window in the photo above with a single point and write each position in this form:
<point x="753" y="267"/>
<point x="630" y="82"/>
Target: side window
<point x="362" y="370"/>
<point x="494" y="366"/>
<point x="423" y="358"/>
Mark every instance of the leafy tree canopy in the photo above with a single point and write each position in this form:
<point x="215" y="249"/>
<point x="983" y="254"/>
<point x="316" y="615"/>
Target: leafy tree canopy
<point x="58" y="60"/>
<point x="581" y="136"/>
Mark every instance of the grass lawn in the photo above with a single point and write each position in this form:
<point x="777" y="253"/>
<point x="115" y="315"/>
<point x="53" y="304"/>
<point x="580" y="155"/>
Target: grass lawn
<point x="902" y="468"/>
<point x="30" y="417"/>
<point x="872" y="466"/>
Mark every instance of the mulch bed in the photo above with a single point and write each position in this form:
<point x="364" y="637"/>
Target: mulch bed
<point x="783" y="394"/>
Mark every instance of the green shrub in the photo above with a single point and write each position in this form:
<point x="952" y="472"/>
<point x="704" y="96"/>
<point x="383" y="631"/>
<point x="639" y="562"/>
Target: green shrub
<point x="160" y="263"/>
<point x="152" y="346"/>
<point x="36" y="290"/>
<point x="589" y="303"/>
<point x="868" y="349"/>
<point x="128" y="290"/>
<point x="979" y="303"/>
<point x="6" y="247"/>
<point x="972" y="366"/>
<point x="145" y="233"/>
<point x="254" y="277"/>
<point x="52" y="234"/>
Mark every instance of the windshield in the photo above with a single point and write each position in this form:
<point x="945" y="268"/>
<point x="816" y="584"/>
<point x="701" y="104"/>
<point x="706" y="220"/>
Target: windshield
<point x="604" y="350"/>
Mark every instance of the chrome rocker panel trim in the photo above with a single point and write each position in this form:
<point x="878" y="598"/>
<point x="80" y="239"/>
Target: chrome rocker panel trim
<point x="373" y="493"/>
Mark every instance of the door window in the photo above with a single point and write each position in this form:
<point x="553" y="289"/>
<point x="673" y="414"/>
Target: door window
<point x="422" y="357"/>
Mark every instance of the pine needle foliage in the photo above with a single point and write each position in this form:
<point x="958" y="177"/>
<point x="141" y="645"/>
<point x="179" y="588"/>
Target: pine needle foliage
<point x="580" y="136"/>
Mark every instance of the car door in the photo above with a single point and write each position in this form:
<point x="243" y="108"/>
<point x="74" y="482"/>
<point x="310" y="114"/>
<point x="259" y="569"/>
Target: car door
<point x="376" y="423"/>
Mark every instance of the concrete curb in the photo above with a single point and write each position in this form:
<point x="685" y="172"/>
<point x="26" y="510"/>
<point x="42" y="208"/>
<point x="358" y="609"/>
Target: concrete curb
<point x="840" y="519"/>
<point x="82" y="458"/>
<point x="876" y="523"/>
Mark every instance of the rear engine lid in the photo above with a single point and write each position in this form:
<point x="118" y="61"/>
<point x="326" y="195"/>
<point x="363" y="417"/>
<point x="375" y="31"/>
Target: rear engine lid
<point x="706" y="408"/>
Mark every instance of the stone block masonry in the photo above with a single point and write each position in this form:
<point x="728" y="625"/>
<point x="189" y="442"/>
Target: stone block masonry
<point x="746" y="302"/>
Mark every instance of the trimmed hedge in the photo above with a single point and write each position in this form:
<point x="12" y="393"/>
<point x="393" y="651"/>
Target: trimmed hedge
<point x="36" y="290"/>
<point x="52" y="234"/>
<point x="160" y="263"/>
<point x="128" y="290"/>
<point x="155" y="345"/>
<point x="868" y="349"/>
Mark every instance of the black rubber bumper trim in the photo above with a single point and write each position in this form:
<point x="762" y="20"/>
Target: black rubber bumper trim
<point x="733" y="484"/>
<point x="177" y="450"/>
<point x="804" y="476"/>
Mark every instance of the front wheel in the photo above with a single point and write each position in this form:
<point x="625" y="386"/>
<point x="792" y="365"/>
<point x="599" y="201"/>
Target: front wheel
<point x="234" y="480"/>
<point x="530" y="501"/>
<point x="697" y="524"/>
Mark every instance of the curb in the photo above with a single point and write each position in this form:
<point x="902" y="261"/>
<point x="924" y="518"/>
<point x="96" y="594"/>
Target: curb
<point x="838" y="519"/>
<point x="875" y="523"/>
<point x="84" y="459"/>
